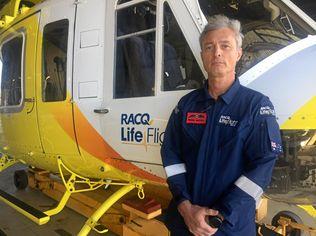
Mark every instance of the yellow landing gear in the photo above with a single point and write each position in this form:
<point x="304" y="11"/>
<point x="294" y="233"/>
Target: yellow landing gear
<point x="33" y="214"/>
<point x="6" y="161"/>
<point x="128" y="216"/>
<point x="73" y="183"/>
<point x="70" y="186"/>
<point x="91" y="223"/>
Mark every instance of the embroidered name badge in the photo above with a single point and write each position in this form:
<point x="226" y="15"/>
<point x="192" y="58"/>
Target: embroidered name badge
<point x="267" y="111"/>
<point x="226" y="120"/>
<point x="198" y="118"/>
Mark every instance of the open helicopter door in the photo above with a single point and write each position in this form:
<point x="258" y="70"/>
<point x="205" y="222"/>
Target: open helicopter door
<point x="18" y="103"/>
<point x="54" y="81"/>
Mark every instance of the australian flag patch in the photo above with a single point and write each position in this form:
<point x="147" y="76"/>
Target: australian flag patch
<point x="276" y="147"/>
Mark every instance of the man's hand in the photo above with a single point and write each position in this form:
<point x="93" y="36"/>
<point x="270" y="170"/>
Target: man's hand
<point x="195" y="217"/>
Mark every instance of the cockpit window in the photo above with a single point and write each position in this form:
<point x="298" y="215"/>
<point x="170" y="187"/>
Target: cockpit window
<point x="11" y="72"/>
<point x="135" y="50"/>
<point x="181" y="70"/>
<point x="55" y="41"/>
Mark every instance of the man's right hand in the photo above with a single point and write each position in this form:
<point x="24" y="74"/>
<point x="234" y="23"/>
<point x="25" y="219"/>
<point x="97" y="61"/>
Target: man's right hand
<point x="195" y="218"/>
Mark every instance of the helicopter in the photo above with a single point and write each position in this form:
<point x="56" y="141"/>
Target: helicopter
<point x="87" y="87"/>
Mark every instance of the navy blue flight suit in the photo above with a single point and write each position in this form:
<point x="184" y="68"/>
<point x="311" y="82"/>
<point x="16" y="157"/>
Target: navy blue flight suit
<point x="220" y="154"/>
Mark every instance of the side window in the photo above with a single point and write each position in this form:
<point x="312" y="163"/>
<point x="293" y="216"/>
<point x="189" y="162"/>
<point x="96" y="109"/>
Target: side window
<point x="11" y="72"/>
<point x="55" y="40"/>
<point x="135" y="50"/>
<point x="181" y="70"/>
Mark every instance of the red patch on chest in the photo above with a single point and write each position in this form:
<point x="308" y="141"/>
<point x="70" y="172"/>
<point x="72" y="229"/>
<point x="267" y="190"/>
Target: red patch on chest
<point x="198" y="118"/>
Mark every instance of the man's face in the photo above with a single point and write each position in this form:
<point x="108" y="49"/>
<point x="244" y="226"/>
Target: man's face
<point x="220" y="53"/>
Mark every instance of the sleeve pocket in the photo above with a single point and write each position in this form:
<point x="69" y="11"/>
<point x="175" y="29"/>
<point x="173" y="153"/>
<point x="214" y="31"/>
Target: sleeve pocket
<point x="275" y="141"/>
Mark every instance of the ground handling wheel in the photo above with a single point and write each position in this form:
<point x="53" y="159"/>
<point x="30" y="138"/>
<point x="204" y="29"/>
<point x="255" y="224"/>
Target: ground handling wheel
<point x="21" y="180"/>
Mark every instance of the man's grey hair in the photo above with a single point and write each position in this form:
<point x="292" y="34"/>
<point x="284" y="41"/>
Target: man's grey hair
<point x="220" y="21"/>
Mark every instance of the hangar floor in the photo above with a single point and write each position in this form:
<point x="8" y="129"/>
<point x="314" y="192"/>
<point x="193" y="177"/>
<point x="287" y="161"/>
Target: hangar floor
<point x="12" y="223"/>
<point x="69" y="223"/>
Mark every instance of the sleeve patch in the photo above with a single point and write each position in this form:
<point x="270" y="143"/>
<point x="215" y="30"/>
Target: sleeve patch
<point x="274" y="136"/>
<point x="276" y="147"/>
<point x="176" y="110"/>
<point x="267" y="111"/>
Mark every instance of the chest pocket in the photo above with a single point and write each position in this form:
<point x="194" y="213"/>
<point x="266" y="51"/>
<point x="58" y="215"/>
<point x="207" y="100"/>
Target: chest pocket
<point x="227" y="135"/>
<point x="230" y="129"/>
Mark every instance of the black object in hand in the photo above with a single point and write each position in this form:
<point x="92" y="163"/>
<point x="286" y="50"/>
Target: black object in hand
<point x="215" y="221"/>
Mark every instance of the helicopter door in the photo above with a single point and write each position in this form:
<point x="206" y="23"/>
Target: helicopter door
<point x="54" y="82"/>
<point x="19" y="127"/>
<point x="138" y="93"/>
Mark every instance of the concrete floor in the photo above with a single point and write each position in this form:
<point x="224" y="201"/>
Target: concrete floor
<point x="12" y="223"/>
<point x="69" y="222"/>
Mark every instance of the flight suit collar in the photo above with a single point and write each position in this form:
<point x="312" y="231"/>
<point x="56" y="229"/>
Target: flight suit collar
<point x="227" y="97"/>
<point x="231" y="92"/>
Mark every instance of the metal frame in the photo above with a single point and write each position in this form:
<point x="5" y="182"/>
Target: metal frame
<point x="6" y="161"/>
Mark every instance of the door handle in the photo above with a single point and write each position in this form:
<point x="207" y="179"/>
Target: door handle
<point x="29" y="99"/>
<point x="101" y="111"/>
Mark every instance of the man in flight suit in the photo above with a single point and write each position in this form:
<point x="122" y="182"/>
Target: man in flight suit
<point x="220" y="145"/>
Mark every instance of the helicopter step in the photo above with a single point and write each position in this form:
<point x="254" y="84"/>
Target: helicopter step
<point x="30" y="212"/>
